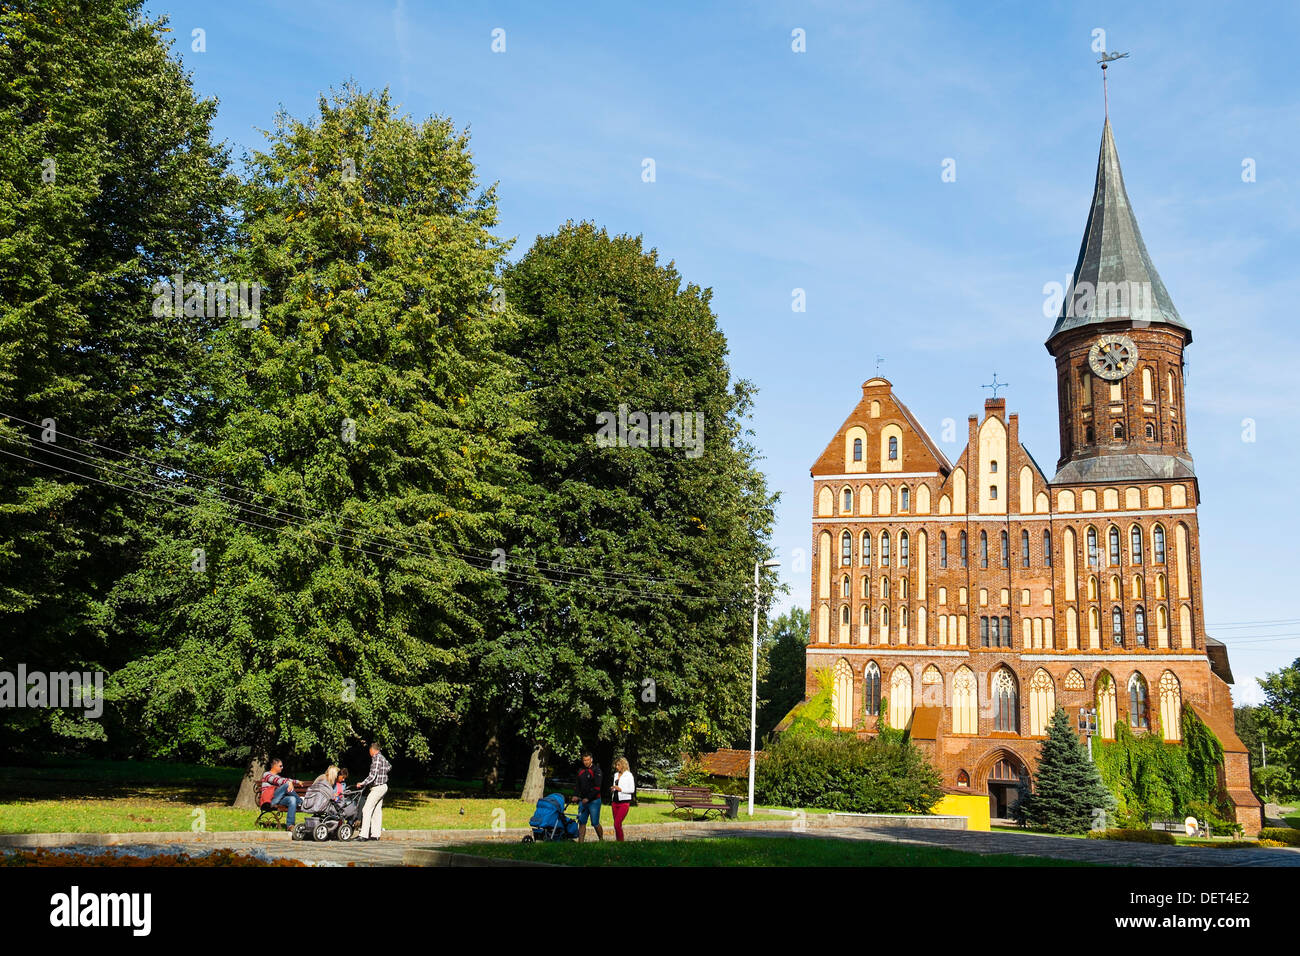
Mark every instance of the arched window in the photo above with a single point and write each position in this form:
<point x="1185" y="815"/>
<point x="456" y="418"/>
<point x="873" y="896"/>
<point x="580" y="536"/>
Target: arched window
<point x="848" y="501"/>
<point x="1139" y="714"/>
<point x="902" y="590"/>
<point x="842" y="694"/>
<point x="1093" y="557"/>
<point x="1047" y="548"/>
<point x="871" y="690"/>
<point x="1007" y="716"/>
<point x="1024" y="549"/>
<point x="1158" y="537"/>
<point x="1140" y="626"/>
<point x="984" y="549"/>
<point x="943" y="549"/>
<point x="866" y="611"/>
<point x="844" y="615"/>
<point x="866" y="587"/>
<point x="904" y="548"/>
<point x="1117" y="626"/>
<point x="893" y="448"/>
<point x="1002" y="552"/>
<point x="902" y="615"/>
<point x="965" y="554"/>
<point x="904" y="499"/>
<point x="845" y="587"/>
<point x="857" y="449"/>
<point x="1117" y="430"/>
<point x="1113" y="538"/>
<point x="965" y="714"/>
<point x="993" y="466"/>
<point x="884" y="589"/>
<point x="846" y="549"/>
<point x="865" y="556"/>
<point x="1088" y="435"/>
<point x="884" y="549"/>
<point x="1042" y="702"/>
<point x="1135" y="544"/>
<point x="1171" y="707"/>
<point x="963" y="778"/>
<point x="1151" y="432"/>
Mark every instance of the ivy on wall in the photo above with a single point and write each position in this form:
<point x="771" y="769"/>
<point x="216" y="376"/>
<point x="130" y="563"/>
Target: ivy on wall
<point x="1154" y="780"/>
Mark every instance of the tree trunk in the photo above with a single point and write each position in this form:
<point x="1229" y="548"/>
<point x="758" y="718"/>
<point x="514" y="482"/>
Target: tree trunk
<point x="246" y="797"/>
<point x="492" y="759"/>
<point x="535" y="782"/>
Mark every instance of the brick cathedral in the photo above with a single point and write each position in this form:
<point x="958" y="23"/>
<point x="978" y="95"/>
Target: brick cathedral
<point x="965" y="600"/>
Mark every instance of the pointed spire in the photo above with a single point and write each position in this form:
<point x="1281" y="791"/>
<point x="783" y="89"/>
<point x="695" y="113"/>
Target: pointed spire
<point x="1114" y="279"/>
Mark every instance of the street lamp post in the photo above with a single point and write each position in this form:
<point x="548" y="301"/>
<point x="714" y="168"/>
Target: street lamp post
<point x="753" y="681"/>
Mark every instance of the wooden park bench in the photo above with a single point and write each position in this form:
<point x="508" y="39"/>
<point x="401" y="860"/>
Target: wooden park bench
<point x="691" y="799"/>
<point x="272" y="817"/>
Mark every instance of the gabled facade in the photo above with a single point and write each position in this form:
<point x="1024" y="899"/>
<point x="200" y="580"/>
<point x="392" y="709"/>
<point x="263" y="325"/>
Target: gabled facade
<point x="967" y="600"/>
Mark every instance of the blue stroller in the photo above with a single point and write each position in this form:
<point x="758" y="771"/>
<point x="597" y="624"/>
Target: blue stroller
<point x="550" y="822"/>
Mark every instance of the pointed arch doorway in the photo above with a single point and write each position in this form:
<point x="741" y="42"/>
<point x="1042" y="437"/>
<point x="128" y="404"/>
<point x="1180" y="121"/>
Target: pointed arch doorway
<point x="1005" y="777"/>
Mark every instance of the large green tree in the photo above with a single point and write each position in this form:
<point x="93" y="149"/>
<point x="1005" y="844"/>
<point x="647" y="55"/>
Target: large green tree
<point x="628" y="620"/>
<point x="109" y="181"/>
<point x="1278" y="720"/>
<point x="785" y="646"/>
<point x="355" y="453"/>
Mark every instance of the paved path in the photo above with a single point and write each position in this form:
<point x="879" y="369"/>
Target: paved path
<point x="390" y="850"/>
<point x="1105" y="852"/>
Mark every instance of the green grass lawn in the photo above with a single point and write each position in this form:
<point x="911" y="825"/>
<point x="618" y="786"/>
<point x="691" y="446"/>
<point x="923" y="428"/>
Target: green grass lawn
<point x="90" y="796"/>
<point x="749" y="851"/>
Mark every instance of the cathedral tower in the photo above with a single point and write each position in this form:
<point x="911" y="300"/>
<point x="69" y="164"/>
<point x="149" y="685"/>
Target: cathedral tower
<point x="1118" y="344"/>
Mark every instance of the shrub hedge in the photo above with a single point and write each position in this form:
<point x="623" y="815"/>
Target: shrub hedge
<point x="843" y="772"/>
<point x="1287" y="835"/>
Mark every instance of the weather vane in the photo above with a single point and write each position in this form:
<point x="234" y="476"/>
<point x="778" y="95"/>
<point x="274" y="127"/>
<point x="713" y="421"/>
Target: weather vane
<point x="996" y="385"/>
<point x="1107" y="59"/>
<point x="879" y="359"/>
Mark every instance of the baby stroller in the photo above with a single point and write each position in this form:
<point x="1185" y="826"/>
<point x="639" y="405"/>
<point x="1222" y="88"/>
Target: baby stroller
<point x="339" y="819"/>
<point x="550" y="822"/>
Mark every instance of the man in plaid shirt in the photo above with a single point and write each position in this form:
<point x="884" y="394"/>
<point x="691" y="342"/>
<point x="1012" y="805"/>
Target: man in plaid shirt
<point x="372" y="814"/>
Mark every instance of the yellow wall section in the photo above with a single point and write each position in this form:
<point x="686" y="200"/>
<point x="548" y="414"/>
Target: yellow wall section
<point x="993" y="447"/>
<point x="974" y="807"/>
<point x="851" y="466"/>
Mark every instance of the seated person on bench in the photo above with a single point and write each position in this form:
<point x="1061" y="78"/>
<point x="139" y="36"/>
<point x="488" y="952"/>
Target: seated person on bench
<point x="278" y="791"/>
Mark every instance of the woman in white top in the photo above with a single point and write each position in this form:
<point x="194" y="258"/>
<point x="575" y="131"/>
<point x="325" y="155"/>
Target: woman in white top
<point x="621" y="791"/>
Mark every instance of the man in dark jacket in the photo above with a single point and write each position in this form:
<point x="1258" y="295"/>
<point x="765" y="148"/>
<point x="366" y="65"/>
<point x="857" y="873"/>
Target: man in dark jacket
<point x="589" y="781"/>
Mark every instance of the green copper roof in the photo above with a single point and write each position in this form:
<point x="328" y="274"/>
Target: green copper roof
<point x="1114" y="279"/>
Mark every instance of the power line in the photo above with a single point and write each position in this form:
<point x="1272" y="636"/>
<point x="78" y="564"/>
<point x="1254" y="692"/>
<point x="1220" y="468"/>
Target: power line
<point x="505" y="570"/>
<point x="541" y="567"/>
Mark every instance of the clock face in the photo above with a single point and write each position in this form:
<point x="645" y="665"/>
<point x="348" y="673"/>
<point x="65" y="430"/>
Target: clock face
<point x="1113" y="356"/>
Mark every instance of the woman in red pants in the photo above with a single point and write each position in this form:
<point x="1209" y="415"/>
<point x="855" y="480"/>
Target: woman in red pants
<point x="621" y="791"/>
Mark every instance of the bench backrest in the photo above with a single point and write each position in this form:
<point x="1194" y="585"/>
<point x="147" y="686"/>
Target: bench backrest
<point x="690" y="792"/>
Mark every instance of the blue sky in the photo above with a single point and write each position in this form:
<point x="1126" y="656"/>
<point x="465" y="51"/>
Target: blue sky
<point x="821" y="170"/>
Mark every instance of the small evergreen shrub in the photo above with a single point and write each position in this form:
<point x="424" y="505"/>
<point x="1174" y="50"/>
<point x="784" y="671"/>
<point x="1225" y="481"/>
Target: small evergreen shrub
<point x="1068" y="794"/>
<point x="1135" y="836"/>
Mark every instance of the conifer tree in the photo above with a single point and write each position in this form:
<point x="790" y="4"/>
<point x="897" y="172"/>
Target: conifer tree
<point x="1067" y="789"/>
